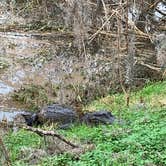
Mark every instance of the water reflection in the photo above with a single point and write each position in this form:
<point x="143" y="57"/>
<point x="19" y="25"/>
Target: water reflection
<point x="9" y="116"/>
<point x="5" y="89"/>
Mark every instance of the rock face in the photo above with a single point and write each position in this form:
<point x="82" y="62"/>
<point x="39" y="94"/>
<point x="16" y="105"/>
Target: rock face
<point x="100" y="117"/>
<point x="58" y="114"/>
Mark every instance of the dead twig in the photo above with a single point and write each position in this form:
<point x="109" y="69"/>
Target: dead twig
<point x="151" y="67"/>
<point x="112" y="34"/>
<point x="98" y="31"/>
<point x="40" y="132"/>
<point x="105" y="9"/>
<point x="48" y="133"/>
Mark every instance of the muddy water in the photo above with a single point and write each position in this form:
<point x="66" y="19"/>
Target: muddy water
<point x="32" y="58"/>
<point x="15" y="49"/>
<point x="5" y="89"/>
<point x="9" y="114"/>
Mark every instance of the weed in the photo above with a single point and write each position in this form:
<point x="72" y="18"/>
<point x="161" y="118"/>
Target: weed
<point x="15" y="141"/>
<point x="138" y="140"/>
<point x="33" y="96"/>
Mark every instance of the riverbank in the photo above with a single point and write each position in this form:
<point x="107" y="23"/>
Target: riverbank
<point x="138" y="140"/>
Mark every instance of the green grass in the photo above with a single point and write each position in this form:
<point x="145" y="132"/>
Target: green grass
<point x="152" y="94"/>
<point x="20" y="139"/>
<point x="139" y="140"/>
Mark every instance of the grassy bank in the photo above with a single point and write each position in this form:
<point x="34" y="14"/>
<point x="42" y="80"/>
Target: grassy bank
<point x="139" y="137"/>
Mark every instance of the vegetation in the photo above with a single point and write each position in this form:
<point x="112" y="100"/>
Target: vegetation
<point x="33" y="96"/>
<point x="3" y="64"/>
<point x="82" y="50"/>
<point x="136" y="138"/>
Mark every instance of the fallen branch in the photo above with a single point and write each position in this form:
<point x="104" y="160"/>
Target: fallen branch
<point x="98" y="31"/>
<point x="48" y="133"/>
<point x="132" y="24"/>
<point x="151" y="67"/>
<point x="105" y="9"/>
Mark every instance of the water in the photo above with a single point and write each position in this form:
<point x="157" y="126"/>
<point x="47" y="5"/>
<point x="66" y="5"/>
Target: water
<point x="9" y="116"/>
<point x="33" y="59"/>
<point x="5" y="89"/>
<point x="21" y="51"/>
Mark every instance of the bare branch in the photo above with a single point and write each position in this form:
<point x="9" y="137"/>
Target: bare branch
<point x="48" y="133"/>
